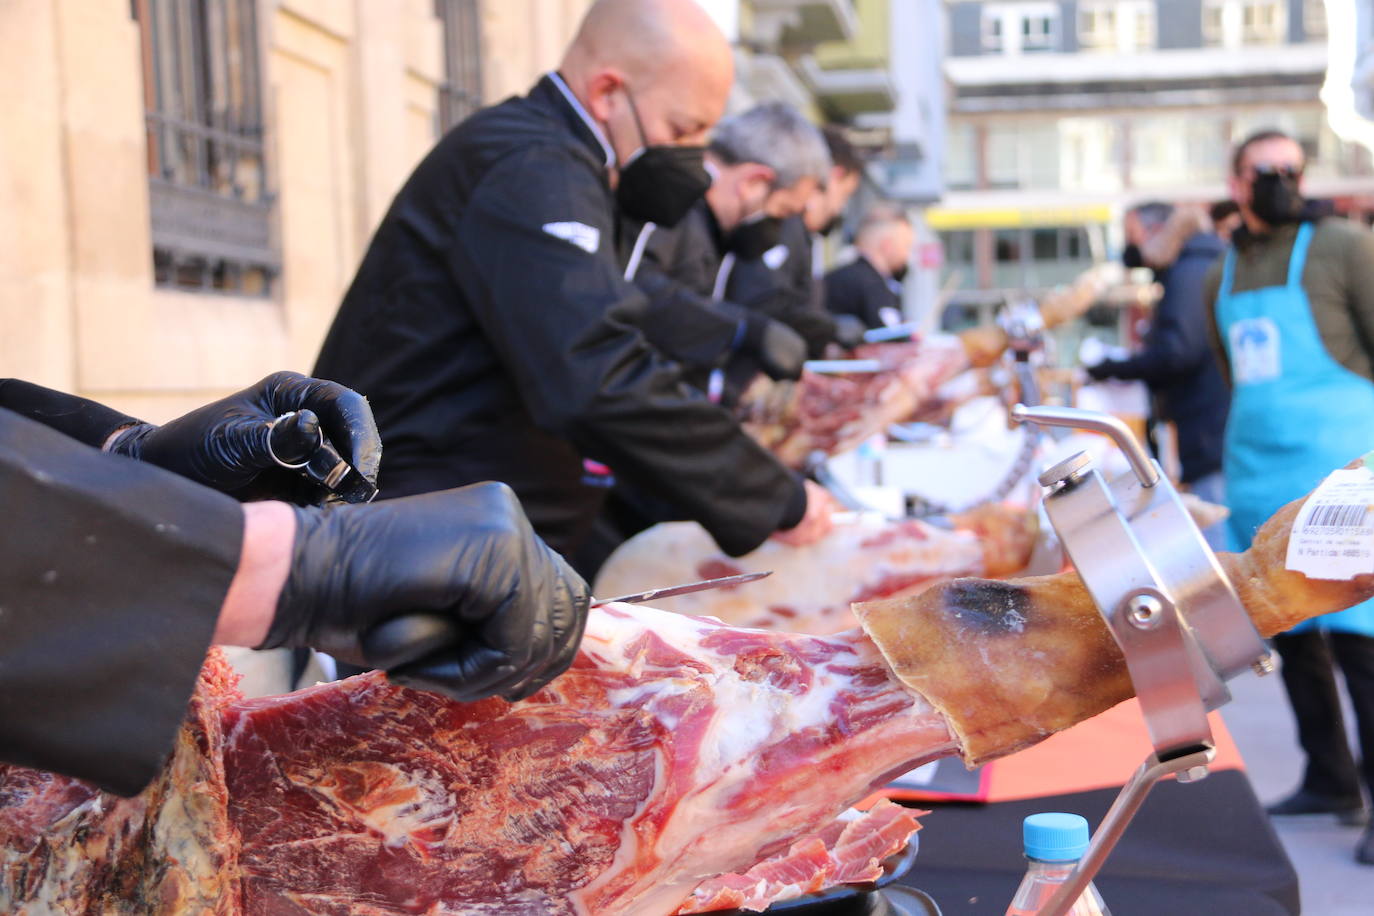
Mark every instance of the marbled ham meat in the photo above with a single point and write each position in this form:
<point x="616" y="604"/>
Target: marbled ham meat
<point x="835" y="413"/>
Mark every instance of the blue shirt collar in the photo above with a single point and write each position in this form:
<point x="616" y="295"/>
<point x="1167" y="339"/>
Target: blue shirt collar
<point x="587" y="119"/>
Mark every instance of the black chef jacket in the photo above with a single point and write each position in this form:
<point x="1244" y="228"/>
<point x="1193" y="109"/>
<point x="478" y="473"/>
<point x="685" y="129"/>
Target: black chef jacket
<point x="81" y="419"/>
<point x="678" y="268"/>
<point x="112" y="575"/>
<point x="858" y="289"/>
<point x="782" y="286"/>
<point x="493" y="333"/>
<point x="682" y="270"/>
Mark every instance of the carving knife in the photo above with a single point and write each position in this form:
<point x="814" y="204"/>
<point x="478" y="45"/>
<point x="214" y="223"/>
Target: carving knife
<point x="410" y="637"/>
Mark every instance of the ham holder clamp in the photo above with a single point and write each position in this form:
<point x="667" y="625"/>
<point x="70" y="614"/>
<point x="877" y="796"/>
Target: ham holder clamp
<point x="1168" y="603"/>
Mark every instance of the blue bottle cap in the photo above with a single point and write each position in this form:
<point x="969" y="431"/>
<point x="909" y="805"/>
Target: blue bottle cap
<point x="1054" y="837"/>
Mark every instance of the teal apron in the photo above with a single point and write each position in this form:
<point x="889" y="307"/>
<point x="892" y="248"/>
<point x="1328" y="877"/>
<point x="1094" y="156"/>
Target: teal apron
<point x="1296" y="413"/>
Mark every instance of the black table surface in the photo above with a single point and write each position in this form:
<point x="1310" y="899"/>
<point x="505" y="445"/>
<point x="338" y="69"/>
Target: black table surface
<point x="1200" y="849"/>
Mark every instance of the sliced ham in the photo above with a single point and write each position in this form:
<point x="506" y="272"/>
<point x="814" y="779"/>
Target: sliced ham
<point x="850" y="850"/>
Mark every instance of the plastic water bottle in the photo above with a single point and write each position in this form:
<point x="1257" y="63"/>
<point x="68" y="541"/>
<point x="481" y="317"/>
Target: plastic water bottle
<point x="1054" y="844"/>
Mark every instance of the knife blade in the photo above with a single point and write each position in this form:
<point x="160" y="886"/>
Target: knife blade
<point x="672" y="591"/>
<point x="410" y="637"/>
<point x="842" y="366"/>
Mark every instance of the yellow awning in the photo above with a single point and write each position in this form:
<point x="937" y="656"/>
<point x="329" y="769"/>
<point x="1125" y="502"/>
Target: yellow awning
<point x="1012" y="217"/>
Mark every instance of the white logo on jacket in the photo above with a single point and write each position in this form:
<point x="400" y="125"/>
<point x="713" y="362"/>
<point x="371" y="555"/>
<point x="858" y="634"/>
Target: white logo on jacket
<point x="776" y="256"/>
<point x="1254" y="350"/>
<point x="588" y="238"/>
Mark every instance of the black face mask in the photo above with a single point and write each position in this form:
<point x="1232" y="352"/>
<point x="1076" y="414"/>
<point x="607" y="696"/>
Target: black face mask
<point x="659" y="184"/>
<point x="1131" y="257"/>
<point x="899" y="274"/>
<point x="751" y="239"/>
<point x="1274" y="196"/>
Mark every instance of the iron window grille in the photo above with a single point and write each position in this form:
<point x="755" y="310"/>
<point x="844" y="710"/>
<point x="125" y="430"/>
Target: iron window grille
<point x="461" y="92"/>
<point x="210" y="202"/>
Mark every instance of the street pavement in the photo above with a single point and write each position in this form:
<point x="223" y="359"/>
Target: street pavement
<point x="1322" y="851"/>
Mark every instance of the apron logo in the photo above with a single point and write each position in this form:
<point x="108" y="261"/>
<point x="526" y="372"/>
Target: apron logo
<point x="1254" y="350"/>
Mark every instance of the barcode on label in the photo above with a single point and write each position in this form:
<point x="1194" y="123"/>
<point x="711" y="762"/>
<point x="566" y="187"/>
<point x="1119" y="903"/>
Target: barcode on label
<point x="1338" y="517"/>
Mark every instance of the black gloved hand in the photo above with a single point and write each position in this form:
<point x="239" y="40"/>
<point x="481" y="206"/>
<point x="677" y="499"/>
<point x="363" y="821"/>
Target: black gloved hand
<point x="849" y="331"/>
<point x="224" y="445"/>
<point x="780" y="351"/>
<point x="468" y="556"/>
<point x="1103" y="370"/>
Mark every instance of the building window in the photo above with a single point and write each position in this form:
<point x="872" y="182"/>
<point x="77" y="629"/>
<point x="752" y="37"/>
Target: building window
<point x="1232" y="23"/>
<point x="1097" y="27"/>
<point x="1145" y="31"/>
<point x="1116" y="25"/>
<point x="461" y="93"/>
<point x="1263" y="22"/>
<point x="207" y="177"/>
<point x="1017" y="28"/>
<point x="1037" y="33"/>
<point x="1314" y="19"/>
<point x="1213" y="23"/>
<point x="992" y="33"/>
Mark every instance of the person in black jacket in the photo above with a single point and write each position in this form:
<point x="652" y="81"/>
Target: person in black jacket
<point x="490" y="324"/>
<point x="767" y="163"/>
<point x="1176" y="360"/>
<point x="117" y="575"/>
<point x="870" y="288"/>
<point x="784" y="283"/>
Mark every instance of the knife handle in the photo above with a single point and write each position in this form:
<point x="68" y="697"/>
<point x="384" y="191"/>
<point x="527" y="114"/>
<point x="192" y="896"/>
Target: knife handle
<point x="408" y="638"/>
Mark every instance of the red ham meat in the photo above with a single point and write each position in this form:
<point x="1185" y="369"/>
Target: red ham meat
<point x="674" y="751"/>
<point x="835" y="413"/>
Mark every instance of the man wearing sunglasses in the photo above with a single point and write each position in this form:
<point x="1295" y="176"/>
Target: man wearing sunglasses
<point x="1293" y="317"/>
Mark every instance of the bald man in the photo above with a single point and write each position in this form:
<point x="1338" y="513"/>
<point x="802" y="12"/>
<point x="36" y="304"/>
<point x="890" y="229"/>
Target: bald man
<point x="870" y="288"/>
<point x="490" y="325"/>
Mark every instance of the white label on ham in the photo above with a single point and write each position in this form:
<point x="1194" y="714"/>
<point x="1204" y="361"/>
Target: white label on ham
<point x="1333" y="535"/>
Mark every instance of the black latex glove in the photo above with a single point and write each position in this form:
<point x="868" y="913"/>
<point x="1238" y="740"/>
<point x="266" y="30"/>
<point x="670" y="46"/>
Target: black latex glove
<point x="1103" y="370"/>
<point x="469" y="556"/>
<point x="780" y="351"/>
<point x="849" y="331"/>
<point x="224" y="445"/>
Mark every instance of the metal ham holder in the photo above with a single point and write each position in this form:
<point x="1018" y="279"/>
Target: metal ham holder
<point x="1167" y="602"/>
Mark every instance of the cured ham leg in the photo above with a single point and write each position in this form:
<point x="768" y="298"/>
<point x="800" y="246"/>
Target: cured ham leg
<point x="813" y="586"/>
<point x="1010" y="663"/>
<point x="677" y="753"/>
<point x="835" y="413"/>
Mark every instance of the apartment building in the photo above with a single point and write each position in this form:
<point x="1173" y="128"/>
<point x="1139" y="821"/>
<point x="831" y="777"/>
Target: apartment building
<point x="1062" y="114"/>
